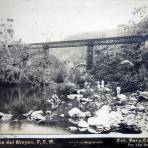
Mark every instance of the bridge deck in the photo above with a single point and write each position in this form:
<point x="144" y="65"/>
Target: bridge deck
<point x="87" y="42"/>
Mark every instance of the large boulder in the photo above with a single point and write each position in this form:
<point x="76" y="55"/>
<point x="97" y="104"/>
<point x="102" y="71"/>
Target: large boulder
<point x="75" y="112"/>
<point x="38" y="115"/>
<point x="115" y="118"/>
<point x="83" y="123"/>
<point x="122" y="97"/>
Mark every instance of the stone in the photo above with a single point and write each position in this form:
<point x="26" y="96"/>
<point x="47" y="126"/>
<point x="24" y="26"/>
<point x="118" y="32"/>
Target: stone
<point x="94" y="121"/>
<point x="72" y="128"/>
<point x="99" y="128"/>
<point x="74" y="96"/>
<point x="105" y="109"/>
<point x="132" y="101"/>
<point x="6" y="117"/>
<point x="115" y="118"/>
<point x="127" y="62"/>
<point x="1" y="115"/>
<point x="143" y="95"/>
<point x="83" y="129"/>
<point x="131" y="107"/>
<point x="75" y="122"/>
<point x="124" y="111"/>
<point x="48" y="113"/>
<point x="36" y="113"/>
<point x="92" y="130"/>
<point x="87" y="113"/>
<point x="122" y="97"/>
<point x="28" y="114"/>
<point x="38" y="117"/>
<point x="81" y="91"/>
<point x="76" y="112"/>
<point x="62" y="115"/>
<point x="83" y="123"/>
<point x="140" y="108"/>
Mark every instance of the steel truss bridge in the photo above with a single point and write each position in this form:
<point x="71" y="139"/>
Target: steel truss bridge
<point x="90" y="43"/>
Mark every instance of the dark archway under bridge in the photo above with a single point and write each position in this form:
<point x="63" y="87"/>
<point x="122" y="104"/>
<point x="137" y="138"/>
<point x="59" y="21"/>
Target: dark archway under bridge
<point x="89" y="43"/>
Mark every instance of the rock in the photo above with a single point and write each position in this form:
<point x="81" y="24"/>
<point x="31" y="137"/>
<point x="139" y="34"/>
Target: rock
<point x="132" y="101"/>
<point x="131" y="107"/>
<point x="127" y="62"/>
<point x="62" y="115"/>
<point x="140" y="108"/>
<point x="94" y="121"/>
<point x="87" y="113"/>
<point x="99" y="128"/>
<point x="103" y="111"/>
<point x="85" y="100"/>
<point x="48" y="113"/>
<point x="76" y="112"/>
<point x="82" y="129"/>
<point x="74" y="96"/>
<point x="143" y="95"/>
<point x="115" y="118"/>
<point x="28" y="114"/>
<point x="75" y="122"/>
<point x="72" y="128"/>
<point x="6" y="117"/>
<point x="124" y="111"/>
<point x="1" y="115"/>
<point x="92" y="130"/>
<point x="81" y="91"/>
<point x="83" y="123"/>
<point x="122" y="97"/>
<point x="38" y="117"/>
<point x="36" y="113"/>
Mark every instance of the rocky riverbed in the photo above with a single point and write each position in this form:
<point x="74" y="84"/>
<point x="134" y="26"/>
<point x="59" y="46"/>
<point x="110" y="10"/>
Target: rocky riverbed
<point x="89" y="111"/>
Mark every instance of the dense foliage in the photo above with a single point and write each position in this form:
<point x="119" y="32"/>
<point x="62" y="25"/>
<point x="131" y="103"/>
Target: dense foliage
<point x="125" y="65"/>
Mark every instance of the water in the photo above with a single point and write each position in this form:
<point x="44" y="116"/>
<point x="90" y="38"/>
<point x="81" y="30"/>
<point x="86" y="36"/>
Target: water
<point x="19" y="100"/>
<point x="23" y="99"/>
<point x="23" y="128"/>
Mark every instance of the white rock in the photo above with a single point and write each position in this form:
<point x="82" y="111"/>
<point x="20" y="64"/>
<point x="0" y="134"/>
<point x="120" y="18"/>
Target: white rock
<point x="103" y="111"/>
<point x="1" y="115"/>
<point x="76" y="112"/>
<point x="82" y="129"/>
<point x="38" y="117"/>
<point x="144" y="94"/>
<point x="29" y="113"/>
<point x="122" y="97"/>
<point x="130" y="107"/>
<point x="74" y="96"/>
<point x="81" y="91"/>
<point x="48" y="112"/>
<point x="141" y="108"/>
<point x="91" y="130"/>
<point x="94" y="121"/>
<point x="36" y="113"/>
<point x="72" y="128"/>
<point x="62" y="115"/>
<point x="83" y="123"/>
<point x="127" y="62"/>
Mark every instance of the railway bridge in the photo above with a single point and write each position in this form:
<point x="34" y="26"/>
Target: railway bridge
<point x="89" y="43"/>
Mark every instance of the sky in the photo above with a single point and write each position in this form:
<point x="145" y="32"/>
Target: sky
<point x="53" y="20"/>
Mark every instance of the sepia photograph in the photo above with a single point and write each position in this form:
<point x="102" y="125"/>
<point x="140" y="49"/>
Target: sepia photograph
<point x="74" y="68"/>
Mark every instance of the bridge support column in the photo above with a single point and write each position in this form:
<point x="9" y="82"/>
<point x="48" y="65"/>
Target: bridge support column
<point x="89" y="59"/>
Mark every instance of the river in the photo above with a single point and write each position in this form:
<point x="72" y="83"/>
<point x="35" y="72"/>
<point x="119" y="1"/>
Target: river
<point x="19" y="100"/>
